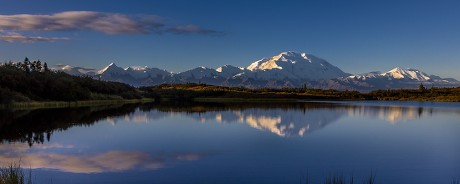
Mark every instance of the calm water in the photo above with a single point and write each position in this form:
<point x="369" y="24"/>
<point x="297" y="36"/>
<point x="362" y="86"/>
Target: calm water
<point x="401" y="142"/>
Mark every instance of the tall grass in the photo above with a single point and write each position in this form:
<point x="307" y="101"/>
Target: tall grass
<point x="455" y="181"/>
<point x="14" y="174"/>
<point x="341" y="179"/>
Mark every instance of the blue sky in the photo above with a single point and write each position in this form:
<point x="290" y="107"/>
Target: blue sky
<point x="357" y="36"/>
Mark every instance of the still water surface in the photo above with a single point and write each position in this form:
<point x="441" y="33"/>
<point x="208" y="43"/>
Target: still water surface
<point x="400" y="142"/>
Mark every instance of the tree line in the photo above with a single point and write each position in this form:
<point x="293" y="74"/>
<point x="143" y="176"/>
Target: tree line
<point x="34" y="81"/>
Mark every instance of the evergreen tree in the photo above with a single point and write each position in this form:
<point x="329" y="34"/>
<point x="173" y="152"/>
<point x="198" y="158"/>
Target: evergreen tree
<point x="421" y="88"/>
<point x="25" y="66"/>
<point x="33" y="66"/>
<point x="45" y="67"/>
<point x="39" y="66"/>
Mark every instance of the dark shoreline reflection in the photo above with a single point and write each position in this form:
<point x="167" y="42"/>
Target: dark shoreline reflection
<point x="34" y="126"/>
<point x="283" y="119"/>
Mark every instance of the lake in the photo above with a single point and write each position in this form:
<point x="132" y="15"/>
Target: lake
<point x="397" y="142"/>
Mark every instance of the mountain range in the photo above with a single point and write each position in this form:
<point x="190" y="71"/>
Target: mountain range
<point x="287" y="69"/>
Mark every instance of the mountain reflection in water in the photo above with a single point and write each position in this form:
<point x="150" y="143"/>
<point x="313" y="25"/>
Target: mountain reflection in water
<point x="287" y="119"/>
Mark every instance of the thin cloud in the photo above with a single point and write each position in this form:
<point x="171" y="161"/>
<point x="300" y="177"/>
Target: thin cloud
<point x="190" y="29"/>
<point x="108" y="23"/>
<point x="29" y="39"/>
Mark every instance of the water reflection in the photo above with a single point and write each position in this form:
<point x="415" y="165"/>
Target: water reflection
<point x="282" y="122"/>
<point x="287" y="119"/>
<point x="290" y="119"/>
<point x="249" y="142"/>
<point x="34" y="126"/>
<point x="40" y="156"/>
<point x="391" y="114"/>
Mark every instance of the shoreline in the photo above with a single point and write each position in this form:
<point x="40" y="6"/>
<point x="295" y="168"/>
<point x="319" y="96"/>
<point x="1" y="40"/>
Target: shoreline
<point x="88" y="103"/>
<point x="69" y="104"/>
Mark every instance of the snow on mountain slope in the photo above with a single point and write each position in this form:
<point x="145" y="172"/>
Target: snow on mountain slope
<point x="111" y="69"/>
<point x="413" y="74"/>
<point x="399" y="73"/>
<point x="293" y="65"/>
<point x="156" y="72"/>
<point x="137" y="72"/>
<point x="198" y="73"/>
<point x="78" y="71"/>
<point x="142" y="72"/>
<point x="394" y="79"/>
<point x="229" y="71"/>
<point x="365" y="76"/>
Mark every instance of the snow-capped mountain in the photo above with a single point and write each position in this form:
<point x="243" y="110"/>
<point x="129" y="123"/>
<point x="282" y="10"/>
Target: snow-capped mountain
<point x="198" y="73"/>
<point x="393" y="79"/>
<point x="137" y="72"/>
<point x="287" y="69"/>
<point x="409" y="73"/>
<point x="398" y="73"/>
<point x="143" y="72"/>
<point x="292" y="65"/>
<point x="230" y="71"/>
<point x="112" y="70"/>
<point x="75" y="70"/>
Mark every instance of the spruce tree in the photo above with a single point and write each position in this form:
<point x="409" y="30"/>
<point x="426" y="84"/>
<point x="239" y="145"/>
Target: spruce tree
<point x="45" y="67"/>
<point x="421" y="88"/>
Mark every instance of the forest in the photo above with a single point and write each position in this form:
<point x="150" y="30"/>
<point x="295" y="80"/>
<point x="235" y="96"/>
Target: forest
<point x="33" y="81"/>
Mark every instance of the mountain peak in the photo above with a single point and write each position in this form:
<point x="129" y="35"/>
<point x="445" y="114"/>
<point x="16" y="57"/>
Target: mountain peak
<point x="397" y="69"/>
<point x="112" y="68"/>
<point x="228" y="67"/>
<point x="409" y="73"/>
<point x="67" y="67"/>
<point x="294" y="65"/>
<point x="229" y="70"/>
<point x="290" y="53"/>
<point x="139" y="68"/>
<point x="112" y="65"/>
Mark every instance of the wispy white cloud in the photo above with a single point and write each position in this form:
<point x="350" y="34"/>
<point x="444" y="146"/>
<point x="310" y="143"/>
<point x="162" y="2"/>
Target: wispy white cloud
<point x="29" y="39"/>
<point x="188" y="29"/>
<point x="108" y="23"/>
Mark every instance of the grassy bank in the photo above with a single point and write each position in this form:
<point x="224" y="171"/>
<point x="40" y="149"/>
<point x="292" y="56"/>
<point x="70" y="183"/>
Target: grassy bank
<point x="61" y="104"/>
<point x="13" y="174"/>
<point x="203" y="92"/>
<point x="239" y="100"/>
<point x="210" y="93"/>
